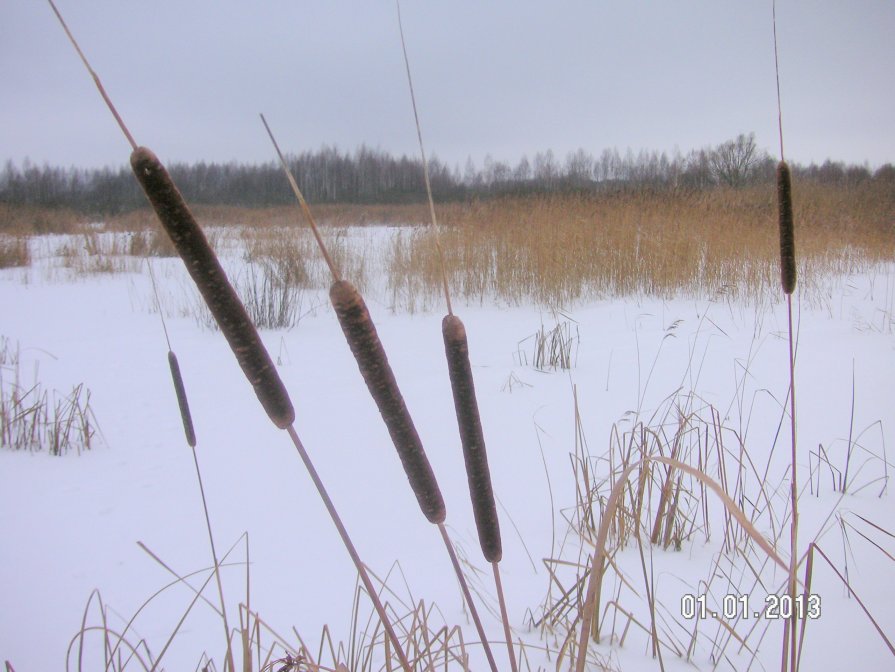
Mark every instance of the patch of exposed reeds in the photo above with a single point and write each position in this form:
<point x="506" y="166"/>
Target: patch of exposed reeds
<point x="150" y="243"/>
<point x="559" y="249"/>
<point x="36" y="419"/>
<point x="551" y="349"/>
<point x="15" y="252"/>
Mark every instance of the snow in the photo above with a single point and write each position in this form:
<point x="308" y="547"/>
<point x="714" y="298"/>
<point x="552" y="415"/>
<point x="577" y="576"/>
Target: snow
<point x="70" y="525"/>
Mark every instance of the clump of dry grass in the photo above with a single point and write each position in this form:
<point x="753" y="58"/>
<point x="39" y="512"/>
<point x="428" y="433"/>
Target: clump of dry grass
<point x="272" y="293"/>
<point x="653" y="490"/>
<point x="152" y="243"/>
<point x="551" y="348"/>
<point x="15" y="252"/>
<point x="33" y="418"/>
<point x="292" y="249"/>
<point x="96" y="253"/>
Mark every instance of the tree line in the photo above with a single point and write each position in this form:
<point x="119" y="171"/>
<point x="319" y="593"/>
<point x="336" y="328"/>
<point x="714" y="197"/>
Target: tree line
<point x="368" y="175"/>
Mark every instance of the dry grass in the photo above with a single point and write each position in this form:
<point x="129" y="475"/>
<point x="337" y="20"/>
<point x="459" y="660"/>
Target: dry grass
<point x="28" y="220"/>
<point x="14" y="252"/>
<point x="557" y="249"/>
<point x="430" y="642"/>
<point x="560" y="249"/>
<point x="33" y="418"/>
<point x="681" y="477"/>
<point x="280" y="216"/>
<point x="151" y="243"/>
<point x="292" y="249"/>
<point x="551" y="348"/>
<point x="94" y="253"/>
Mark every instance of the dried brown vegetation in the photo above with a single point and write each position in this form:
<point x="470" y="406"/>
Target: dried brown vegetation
<point x="557" y="249"/>
<point x="560" y="248"/>
<point x="14" y="252"/>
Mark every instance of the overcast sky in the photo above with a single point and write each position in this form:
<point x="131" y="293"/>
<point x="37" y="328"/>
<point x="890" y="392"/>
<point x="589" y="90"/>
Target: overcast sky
<point x="501" y="78"/>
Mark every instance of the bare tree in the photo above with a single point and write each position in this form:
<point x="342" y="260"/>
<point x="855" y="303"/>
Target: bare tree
<point x="579" y="168"/>
<point x="545" y="169"/>
<point x="522" y="172"/>
<point x="733" y="162"/>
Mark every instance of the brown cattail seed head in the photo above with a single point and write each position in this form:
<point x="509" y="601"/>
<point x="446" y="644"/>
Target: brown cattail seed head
<point x="205" y="269"/>
<point x="456" y="348"/>
<point x="787" y="239"/>
<point x="182" y="402"/>
<point x="360" y="332"/>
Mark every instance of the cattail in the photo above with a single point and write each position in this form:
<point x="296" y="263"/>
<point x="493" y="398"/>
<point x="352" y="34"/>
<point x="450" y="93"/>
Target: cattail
<point x="787" y="239"/>
<point x="456" y="348"/>
<point x="361" y="335"/>
<point x="206" y="271"/>
<point x="180" y="390"/>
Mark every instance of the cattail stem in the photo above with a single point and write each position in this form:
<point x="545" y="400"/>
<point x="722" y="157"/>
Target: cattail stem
<point x="352" y="551"/>
<point x="419" y="135"/>
<point x="794" y="494"/>
<point x="99" y="84"/>
<point x="466" y="406"/>
<point x="508" y="635"/>
<point x="214" y="557"/>
<point x="788" y="281"/>
<point x="777" y="74"/>
<point x="187" y="419"/>
<point x="467" y="596"/>
<point x="309" y="218"/>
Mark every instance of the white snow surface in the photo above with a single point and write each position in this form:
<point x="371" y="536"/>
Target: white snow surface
<point x="70" y="525"/>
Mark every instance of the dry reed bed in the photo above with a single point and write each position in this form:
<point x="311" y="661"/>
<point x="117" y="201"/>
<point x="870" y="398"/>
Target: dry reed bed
<point x="560" y="249"/>
<point x="551" y="249"/>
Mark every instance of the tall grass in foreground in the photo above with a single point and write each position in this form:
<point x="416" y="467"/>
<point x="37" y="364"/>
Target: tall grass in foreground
<point x="432" y="644"/>
<point x="682" y="477"/>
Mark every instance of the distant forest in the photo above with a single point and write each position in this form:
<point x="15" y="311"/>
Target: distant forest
<point x="367" y="175"/>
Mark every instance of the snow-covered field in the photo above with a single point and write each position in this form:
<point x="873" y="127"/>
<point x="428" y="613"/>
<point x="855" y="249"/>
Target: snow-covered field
<point x="71" y="525"/>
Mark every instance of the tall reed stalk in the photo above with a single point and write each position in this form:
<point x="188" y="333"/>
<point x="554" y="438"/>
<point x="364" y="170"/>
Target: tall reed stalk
<point x="363" y="340"/>
<point x="466" y="406"/>
<point x="790" y="655"/>
<point x="190" y="435"/>
<point x="229" y="313"/>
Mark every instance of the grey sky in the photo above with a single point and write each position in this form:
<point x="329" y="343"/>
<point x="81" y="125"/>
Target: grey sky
<point x="501" y="78"/>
